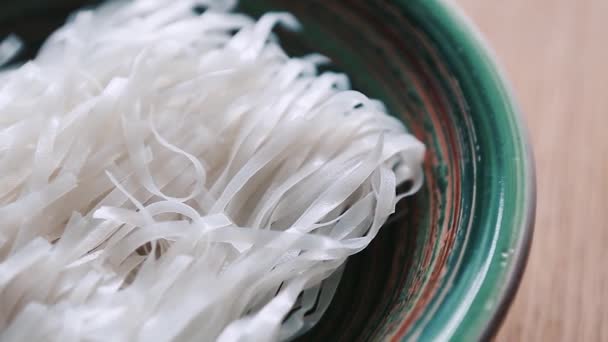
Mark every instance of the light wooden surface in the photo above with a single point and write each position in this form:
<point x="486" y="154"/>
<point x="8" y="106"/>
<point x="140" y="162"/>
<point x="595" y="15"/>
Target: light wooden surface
<point x="555" y="52"/>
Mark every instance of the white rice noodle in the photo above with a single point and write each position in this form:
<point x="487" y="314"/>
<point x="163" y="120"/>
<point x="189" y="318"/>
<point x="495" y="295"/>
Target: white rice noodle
<point x="164" y="178"/>
<point x="9" y="48"/>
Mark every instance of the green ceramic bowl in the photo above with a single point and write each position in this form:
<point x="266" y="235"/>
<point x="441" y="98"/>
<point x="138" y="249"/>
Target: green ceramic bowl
<point x="448" y="263"/>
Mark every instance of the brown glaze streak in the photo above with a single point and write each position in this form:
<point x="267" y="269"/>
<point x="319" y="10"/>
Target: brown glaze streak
<point x="436" y="108"/>
<point x="431" y="108"/>
<point x="390" y="313"/>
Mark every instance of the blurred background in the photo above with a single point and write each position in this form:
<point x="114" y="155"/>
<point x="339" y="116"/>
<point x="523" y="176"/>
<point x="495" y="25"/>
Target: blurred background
<point x="555" y="53"/>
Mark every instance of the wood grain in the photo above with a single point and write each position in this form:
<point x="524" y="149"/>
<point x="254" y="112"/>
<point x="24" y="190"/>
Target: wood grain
<point x="555" y="52"/>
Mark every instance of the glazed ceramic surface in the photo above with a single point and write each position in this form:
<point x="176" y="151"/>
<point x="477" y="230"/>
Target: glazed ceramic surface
<point x="448" y="262"/>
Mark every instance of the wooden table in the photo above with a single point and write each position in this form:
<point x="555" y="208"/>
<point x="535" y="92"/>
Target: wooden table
<point x="555" y="52"/>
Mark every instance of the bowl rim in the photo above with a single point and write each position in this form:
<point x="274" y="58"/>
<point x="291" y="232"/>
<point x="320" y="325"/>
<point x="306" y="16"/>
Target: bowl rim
<point x="461" y="31"/>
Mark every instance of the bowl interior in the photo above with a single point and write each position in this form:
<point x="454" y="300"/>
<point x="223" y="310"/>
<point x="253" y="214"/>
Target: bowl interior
<point x="447" y="261"/>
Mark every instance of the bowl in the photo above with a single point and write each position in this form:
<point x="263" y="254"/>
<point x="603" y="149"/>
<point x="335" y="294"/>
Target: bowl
<point x="447" y="265"/>
<point x="448" y="262"/>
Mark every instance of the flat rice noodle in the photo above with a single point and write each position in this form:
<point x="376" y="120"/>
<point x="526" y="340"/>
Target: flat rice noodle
<point x="170" y="175"/>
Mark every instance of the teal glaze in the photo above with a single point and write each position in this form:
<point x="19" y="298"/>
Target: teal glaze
<point x="447" y="264"/>
<point x="499" y="240"/>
